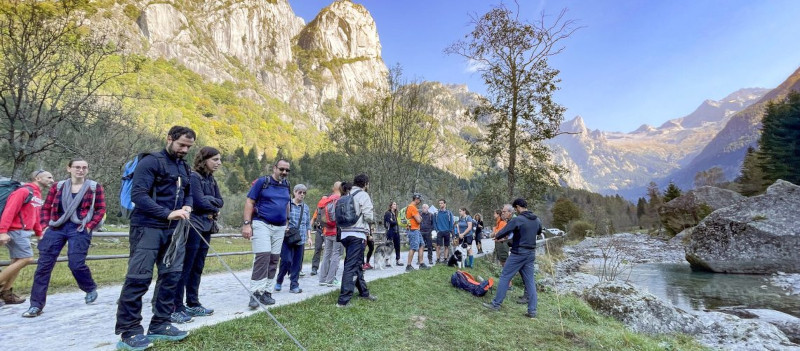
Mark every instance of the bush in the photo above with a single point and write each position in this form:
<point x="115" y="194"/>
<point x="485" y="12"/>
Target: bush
<point x="578" y="229"/>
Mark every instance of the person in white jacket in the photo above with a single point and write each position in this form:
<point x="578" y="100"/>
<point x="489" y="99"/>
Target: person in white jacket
<point x="354" y="239"/>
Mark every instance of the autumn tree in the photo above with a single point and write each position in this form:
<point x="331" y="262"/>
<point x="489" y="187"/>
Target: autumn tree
<point x="512" y="57"/>
<point x="52" y="69"/>
<point x="565" y="211"/>
<point x="713" y="176"/>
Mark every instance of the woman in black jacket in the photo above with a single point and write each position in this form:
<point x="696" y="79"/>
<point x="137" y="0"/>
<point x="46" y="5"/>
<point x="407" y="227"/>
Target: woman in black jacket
<point x="479" y="232"/>
<point x="392" y="231"/>
<point x="207" y="203"/>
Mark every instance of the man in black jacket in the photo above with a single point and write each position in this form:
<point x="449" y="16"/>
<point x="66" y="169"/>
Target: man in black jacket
<point x="163" y="198"/>
<point x="524" y="228"/>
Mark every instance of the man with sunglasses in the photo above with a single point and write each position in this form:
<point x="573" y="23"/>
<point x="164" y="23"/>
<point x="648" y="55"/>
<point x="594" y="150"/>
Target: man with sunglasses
<point x="266" y="215"/>
<point x="20" y="219"/>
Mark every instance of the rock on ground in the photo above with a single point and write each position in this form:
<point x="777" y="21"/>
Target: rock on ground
<point x="688" y="210"/>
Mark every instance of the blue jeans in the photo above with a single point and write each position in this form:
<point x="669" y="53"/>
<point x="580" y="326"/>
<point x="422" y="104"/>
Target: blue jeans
<point x="291" y="262"/>
<point x="522" y="263"/>
<point x="193" y="264"/>
<point x="49" y="248"/>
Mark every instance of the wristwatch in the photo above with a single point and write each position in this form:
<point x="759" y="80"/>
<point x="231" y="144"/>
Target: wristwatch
<point x="246" y="222"/>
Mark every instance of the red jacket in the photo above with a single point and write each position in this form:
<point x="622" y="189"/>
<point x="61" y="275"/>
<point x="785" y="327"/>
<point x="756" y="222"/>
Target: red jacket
<point x="50" y="208"/>
<point x="19" y="216"/>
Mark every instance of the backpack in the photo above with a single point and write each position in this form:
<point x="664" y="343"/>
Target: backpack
<point x="465" y="281"/>
<point x="345" y="211"/>
<point x="125" y="202"/>
<point x="330" y="213"/>
<point x="403" y="220"/>
<point x="8" y="186"/>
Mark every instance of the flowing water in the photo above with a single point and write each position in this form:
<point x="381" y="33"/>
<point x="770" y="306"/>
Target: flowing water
<point x="693" y="290"/>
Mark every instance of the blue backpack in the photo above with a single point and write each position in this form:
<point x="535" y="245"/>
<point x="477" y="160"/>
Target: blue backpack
<point x="125" y="202"/>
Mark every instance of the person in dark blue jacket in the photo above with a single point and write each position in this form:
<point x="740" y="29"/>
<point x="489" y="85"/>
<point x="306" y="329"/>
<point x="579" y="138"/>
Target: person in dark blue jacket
<point x="207" y="203"/>
<point x="525" y="227"/>
<point x="393" y="231"/>
<point x="162" y="194"/>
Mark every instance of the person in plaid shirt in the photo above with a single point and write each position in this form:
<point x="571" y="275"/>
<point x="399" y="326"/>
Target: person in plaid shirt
<point x="73" y="209"/>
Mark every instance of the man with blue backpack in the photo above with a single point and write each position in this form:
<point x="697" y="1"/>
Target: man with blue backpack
<point x="160" y="189"/>
<point x="354" y="215"/>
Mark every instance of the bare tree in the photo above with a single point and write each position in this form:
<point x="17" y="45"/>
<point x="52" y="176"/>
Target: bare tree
<point x="512" y="56"/>
<point x="52" y="69"/>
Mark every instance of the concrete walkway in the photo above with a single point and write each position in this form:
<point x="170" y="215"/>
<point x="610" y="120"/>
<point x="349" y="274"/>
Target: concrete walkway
<point x="69" y="324"/>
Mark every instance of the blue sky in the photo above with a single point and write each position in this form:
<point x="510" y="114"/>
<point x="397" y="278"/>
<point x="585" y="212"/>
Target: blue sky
<point x="633" y="62"/>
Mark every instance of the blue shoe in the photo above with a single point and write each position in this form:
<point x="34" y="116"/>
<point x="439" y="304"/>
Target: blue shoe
<point x="277" y="287"/>
<point x="32" y="312"/>
<point x="296" y="290"/>
<point x="91" y="297"/>
<point x="199" y="311"/>
<point x="136" y="342"/>
<point x="180" y="317"/>
<point x="169" y="333"/>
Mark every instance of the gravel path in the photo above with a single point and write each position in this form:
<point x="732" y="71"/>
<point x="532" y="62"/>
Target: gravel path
<point x="69" y="324"/>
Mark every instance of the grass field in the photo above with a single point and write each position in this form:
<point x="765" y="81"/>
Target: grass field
<point x="422" y="311"/>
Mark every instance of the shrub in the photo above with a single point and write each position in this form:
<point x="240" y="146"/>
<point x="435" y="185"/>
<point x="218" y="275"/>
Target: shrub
<point x="578" y="229"/>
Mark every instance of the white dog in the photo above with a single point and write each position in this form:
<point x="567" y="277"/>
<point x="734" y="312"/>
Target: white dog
<point x="383" y="252"/>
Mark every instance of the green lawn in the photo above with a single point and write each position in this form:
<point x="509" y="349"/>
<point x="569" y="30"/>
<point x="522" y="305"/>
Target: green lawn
<point x="422" y="311"/>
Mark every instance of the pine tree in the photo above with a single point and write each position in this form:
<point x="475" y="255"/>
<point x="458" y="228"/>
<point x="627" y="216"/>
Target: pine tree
<point x="751" y="181"/>
<point x="672" y="192"/>
<point x="780" y="140"/>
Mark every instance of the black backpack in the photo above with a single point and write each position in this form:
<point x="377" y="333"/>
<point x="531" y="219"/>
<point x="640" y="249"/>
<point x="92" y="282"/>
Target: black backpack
<point x="346" y="215"/>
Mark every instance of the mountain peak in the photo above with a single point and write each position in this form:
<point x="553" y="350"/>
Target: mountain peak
<point x="644" y="128"/>
<point x="575" y="125"/>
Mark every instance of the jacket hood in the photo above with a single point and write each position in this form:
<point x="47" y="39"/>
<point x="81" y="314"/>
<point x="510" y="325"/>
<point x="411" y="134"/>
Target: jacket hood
<point x="529" y="215"/>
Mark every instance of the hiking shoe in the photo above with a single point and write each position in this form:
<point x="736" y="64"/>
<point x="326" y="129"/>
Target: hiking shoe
<point x="430" y="262"/>
<point x="398" y="263"/>
<point x="253" y="302"/>
<point x="364" y="267"/>
<point x="313" y="272"/>
<point x="491" y="307"/>
<point x="295" y="290"/>
<point x="335" y="283"/>
<point x="198" y="311"/>
<point x="343" y="306"/>
<point x="266" y="299"/>
<point x="180" y="317"/>
<point x="168" y="332"/>
<point x="302" y="274"/>
<point x="136" y="342"/>
<point x="369" y="297"/>
<point x="90" y="297"/>
<point x="409" y="268"/>
<point x="522" y="301"/>
<point x="10" y="298"/>
<point x="32" y="312"/>
<point x="529" y="315"/>
<point x="424" y="266"/>
<point x="369" y="266"/>
<point x="323" y="284"/>
<point x="278" y="287"/>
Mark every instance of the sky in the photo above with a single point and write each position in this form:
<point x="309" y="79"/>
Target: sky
<point x="632" y="62"/>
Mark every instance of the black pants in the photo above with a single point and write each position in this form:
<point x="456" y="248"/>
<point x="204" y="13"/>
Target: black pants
<point x="394" y="236"/>
<point x="428" y="239"/>
<point x="370" y="249"/>
<point x="318" y="241"/>
<point x="353" y="276"/>
<point x="148" y="246"/>
<point x="193" y="264"/>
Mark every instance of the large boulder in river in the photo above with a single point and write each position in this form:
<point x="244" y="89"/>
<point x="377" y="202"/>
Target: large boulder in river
<point x="688" y="210"/>
<point x="758" y="235"/>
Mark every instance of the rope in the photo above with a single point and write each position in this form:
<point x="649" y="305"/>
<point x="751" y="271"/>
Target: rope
<point x="250" y="293"/>
<point x="555" y="288"/>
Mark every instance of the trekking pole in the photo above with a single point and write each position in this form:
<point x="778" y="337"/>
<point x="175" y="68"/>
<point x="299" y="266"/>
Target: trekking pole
<point x="250" y="293"/>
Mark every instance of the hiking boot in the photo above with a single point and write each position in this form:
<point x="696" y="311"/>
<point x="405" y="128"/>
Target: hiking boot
<point x="253" y="302"/>
<point x="424" y="266"/>
<point x="409" y="268"/>
<point x="169" y="333"/>
<point x="266" y="299"/>
<point x="32" y="312"/>
<point x="529" y="315"/>
<point x="313" y="272"/>
<point x="180" y="317"/>
<point x="369" y="297"/>
<point x="522" y="300"/>
<point x="10" y="298"/>
<point x="198" y="311"/>
<point x="398" y="263"/>
<point x="491" y="307"/>
<point x="90" y="297"/>
<point x="295" y="290"/>
<point x="136" y="342"/>
<point x="278" y="287"/>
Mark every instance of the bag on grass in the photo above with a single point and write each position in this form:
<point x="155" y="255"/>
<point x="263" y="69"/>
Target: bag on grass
<point x="465" y="281"/>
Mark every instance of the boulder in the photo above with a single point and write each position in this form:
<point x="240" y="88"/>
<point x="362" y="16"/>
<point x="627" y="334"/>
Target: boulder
<point x="688" y="210"/>
<point x="640" y="311"/>
<point x="575" y="284"/>
<point x="758" y="235"/>
<point x="727" y="332"/>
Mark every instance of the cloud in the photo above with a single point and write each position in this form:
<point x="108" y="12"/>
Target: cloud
<point x="474" y="66"/>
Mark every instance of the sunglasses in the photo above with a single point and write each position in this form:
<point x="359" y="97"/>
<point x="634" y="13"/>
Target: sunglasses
<point x="284" y="169"/>
<point x="38" y="173"/>
<point x="300" y="192"/>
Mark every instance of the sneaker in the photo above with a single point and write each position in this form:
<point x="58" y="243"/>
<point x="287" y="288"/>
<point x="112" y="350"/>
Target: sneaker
<point x="136" y="342"/>
<point x="430" y="262"/>
<point x="323" y="284"/>
<point x="364" y="267"/>
<point x="369" y="266"/>
<point x="180" y="317"/>
<point x="90" y="297"/>
<point x="522" y="301"/>
<point x="388" y="264"/>
<point x="169" y="333"/>
<point x="529" y="315"/>
<point x="424" y="266"/>
<point x="253" y="302"/>
<point x="295" y="290"/>
<point x="198" y="311"/>
<point x="313" y="272"/>
<point x="266" y="299"/>
<point x="335" y="283"/>
<point x="343" y="306"/>
<point x="491" y="307"/>
<point x="409" y="268"/>
<point x="369" y="297"/>
<point x="32" y="312"/>
<point x="302" y="274"/>
<point x="10" y="298"/>
<point x="398" y="263"/>
<point x="278" y="287"/>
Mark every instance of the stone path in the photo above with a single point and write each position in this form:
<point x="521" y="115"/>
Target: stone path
<point x="69" y="324"/>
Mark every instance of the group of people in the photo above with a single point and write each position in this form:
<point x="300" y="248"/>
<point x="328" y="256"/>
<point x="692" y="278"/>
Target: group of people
<point x="175" y="213"/>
